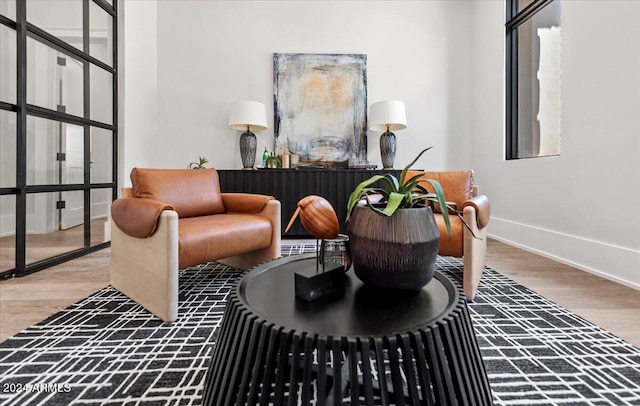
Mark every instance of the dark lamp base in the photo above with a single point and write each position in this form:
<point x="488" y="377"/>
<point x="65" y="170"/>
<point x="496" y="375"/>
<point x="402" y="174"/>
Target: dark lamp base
<point x="387" y="149"/>
<point x="248" y="149"/>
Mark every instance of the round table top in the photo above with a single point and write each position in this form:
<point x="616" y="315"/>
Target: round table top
<point x="269" y="291"/>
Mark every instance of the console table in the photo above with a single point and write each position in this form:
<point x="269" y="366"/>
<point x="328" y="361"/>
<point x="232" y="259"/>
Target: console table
<point x="291" y="185"/>
<point x="375" y="345"/>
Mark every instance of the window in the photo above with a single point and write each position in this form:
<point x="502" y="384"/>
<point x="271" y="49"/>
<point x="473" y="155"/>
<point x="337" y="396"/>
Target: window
<point x="58" y="129"/>
<point x="533" y="78"/>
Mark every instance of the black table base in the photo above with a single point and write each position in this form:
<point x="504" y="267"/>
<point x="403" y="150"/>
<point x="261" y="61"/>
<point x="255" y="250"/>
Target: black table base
<point x="259" y="362"/>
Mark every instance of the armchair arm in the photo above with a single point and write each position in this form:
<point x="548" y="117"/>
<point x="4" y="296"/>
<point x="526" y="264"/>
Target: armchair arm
<point x="146" y="269"/>
<point x="245" y="202"/>
<point x="483" y="209"/>
<point x="137" y="217"/>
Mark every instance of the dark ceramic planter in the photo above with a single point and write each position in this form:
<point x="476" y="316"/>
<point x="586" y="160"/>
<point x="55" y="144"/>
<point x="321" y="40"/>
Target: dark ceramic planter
<point x="396" y="252"/>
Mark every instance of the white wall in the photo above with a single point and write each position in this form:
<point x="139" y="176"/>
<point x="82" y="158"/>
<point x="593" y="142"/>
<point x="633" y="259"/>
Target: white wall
<point x="211" y="53"/>
<point x="138" y="137"/>
<point x="578" y="207"/>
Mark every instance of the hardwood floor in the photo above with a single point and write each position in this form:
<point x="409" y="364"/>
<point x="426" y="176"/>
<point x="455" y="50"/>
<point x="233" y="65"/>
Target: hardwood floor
<point x="616" y="308"/>
<point x="43" y="246"/>
<point x="30" y="299"/>
<point x="612" y="306"/>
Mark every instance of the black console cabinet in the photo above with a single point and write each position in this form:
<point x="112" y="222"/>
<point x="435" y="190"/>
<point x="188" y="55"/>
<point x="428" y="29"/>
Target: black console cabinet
<point x="291" y="185"/>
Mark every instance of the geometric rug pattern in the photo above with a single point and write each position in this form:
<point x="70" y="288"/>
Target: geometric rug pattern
<point x="538" y="353"/>
<point x="107" y="350"/>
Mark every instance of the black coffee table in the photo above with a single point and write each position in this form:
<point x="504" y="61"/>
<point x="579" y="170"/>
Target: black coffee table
<point x="276" y="349"/>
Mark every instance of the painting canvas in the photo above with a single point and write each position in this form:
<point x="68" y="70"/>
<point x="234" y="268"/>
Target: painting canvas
<point x="321" y="108"/>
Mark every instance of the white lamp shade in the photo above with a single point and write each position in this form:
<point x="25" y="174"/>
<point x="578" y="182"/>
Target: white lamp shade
<point x="389" y="113"/>
<point x="246" y="114"/>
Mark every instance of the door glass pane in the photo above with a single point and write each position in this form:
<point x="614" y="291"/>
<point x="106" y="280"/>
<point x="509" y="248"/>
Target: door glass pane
<point x="7" y="232"/>
<point x="522" y="4"/>
<point x="101" y="155"/>
<point x="539" y="83"/>
<point x="101" y="34"/>
<point x="101" y="95"/>
<point x="8" y="8"/>
<point x="51" y="229"/>
<point x="8" y="63"/>
<point x="55" y="152"/>
<point x="54" y="79"/>
<point x="60" y="18"/>
<point x="7" y="149"/>
<point x="100" y="203"/>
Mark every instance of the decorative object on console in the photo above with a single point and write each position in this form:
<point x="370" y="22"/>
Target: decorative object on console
<point x="320" y="107"/>
<point x="387" y="116"/>
<point x="393" y="234"/>
<point x="285" y="159"/>
<point x="324" y="277"/>
<point x="198" y="165"/>
<point x="357" y="163"/>
<point x="249" y="116"/>
<point x="273" y="162"/>
<point x="295" y="159"/>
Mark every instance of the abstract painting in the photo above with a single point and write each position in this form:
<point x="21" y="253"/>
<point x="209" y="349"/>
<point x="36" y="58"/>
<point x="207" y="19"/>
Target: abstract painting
<point x="321" y="108"/>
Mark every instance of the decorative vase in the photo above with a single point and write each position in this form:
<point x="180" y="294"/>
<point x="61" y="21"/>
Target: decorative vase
<point x="396" y="252"/>
<point x="273" y="161"/>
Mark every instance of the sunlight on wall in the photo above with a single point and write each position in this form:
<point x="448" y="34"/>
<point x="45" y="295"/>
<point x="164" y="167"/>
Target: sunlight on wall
<point x="549" y="76"/>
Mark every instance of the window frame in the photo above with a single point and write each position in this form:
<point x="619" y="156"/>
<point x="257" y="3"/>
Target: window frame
<point x="514" y="20"/>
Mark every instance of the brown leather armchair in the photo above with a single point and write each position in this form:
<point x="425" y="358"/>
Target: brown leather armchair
<point x="464" y="196"/>
<point x="175" y="218"/>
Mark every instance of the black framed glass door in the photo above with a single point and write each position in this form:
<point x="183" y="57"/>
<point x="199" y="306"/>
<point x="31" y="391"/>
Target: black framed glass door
<point x="58" y="130"/>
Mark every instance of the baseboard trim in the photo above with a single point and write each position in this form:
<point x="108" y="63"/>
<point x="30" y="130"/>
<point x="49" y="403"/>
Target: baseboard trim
<point x="612" y="262"/>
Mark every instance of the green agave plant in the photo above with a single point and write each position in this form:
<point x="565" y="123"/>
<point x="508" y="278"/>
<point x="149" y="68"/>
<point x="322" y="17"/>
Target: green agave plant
<point x="198" y="165"/>
<point x="398" y="193"/>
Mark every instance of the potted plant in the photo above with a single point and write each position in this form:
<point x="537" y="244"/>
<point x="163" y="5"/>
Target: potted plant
<point x="393" y="233"/>
<point x="198" y="165"/>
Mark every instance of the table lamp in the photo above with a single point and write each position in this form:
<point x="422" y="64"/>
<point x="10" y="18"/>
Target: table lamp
<point x="249" y="116"/>
<point x="387" y="116"/>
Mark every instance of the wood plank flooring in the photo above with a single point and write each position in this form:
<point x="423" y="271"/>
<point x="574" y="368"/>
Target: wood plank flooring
<point x="43" y="246"/>
<point x="616" y="308"/>
<point x="610" y="305"/>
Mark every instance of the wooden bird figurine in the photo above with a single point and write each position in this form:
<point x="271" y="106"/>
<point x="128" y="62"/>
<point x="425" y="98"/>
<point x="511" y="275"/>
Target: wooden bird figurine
<point x="317" y="216"/>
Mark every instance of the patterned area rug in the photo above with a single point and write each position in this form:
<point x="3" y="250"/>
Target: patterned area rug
<point x="107" y="350"/>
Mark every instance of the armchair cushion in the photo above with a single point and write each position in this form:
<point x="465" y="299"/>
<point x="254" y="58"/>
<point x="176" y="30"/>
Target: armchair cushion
<point x="452" y="246"/>
<point x="201" y="239"/>
<point x="137" y="217"/>
<point x="191" y="192"/>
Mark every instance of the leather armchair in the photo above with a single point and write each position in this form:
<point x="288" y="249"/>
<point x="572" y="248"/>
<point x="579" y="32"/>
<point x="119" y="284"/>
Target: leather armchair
<point x="464" y="196"/>
<point x="175" y="218"/>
